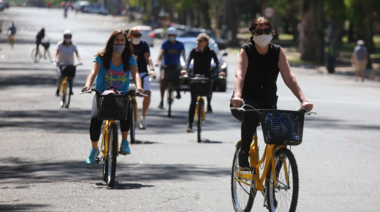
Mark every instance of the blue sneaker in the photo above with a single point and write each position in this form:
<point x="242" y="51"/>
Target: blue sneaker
<point x="124" y="149"/>
<point x="92" y="157"/>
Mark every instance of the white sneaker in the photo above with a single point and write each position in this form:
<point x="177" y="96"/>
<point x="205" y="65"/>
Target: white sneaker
<point x="143" y="123"/>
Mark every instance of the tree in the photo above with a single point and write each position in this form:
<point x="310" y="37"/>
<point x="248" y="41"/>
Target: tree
<point x="312" y="31"/>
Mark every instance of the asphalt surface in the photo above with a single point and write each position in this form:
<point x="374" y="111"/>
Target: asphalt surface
<point x="43" y="147"/>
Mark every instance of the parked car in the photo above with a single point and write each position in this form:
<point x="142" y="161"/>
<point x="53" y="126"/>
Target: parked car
<point x="3" y="5"/>
<point x="220" y="84"/>
<point x="80" y="4"/>
<point x="194" y="32"/>
<point x="147" y="34"/>
<point x="97" y="9"/>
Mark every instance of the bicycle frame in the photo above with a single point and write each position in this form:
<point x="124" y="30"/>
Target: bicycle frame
<point x="105" y="140"/>
<point x="63" y="86"/>
<point x="268" y="157"/>
<point x="197" y="108"/>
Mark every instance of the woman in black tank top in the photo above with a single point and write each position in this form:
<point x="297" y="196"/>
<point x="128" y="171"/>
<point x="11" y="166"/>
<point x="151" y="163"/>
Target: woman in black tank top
<point x="259" y="63"/>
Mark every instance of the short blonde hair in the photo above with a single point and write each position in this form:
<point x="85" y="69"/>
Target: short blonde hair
<point x="204" y="36"/>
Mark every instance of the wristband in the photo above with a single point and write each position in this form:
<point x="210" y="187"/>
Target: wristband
<point x="304" y="101"/>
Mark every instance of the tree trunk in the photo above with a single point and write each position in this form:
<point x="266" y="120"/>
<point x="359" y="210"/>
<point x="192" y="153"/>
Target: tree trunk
<point x="312" y="32"/>
<point x="232" y="23"/>
<point x="190" y="14"/>
<point x="351" y="33"/>
<point x="204" y="7"/>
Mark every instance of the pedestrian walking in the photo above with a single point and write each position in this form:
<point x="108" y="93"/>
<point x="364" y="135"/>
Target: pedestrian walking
<point x="330" y="57"/>
<point x="142" y="52"/>
<point x="360" y="59"/>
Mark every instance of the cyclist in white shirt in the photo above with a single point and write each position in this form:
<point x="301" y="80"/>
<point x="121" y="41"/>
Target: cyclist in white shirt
<point x="64" y="55"/>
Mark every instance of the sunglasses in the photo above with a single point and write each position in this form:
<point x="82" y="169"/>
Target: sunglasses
<point x="200" y="41"/>
<point x="136" y="35"/>
<point x="261" y="31"/>
<point x="67" y="36"/>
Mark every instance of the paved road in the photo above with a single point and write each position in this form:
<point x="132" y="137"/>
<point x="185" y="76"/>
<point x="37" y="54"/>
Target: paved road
<point x="43" y="147"/>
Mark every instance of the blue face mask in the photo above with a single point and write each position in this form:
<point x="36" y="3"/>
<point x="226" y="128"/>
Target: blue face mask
<point x="118" y="48"/>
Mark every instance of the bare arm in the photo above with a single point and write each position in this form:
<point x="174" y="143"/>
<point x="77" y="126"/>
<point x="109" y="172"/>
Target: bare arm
<point x="241" y="70"/>
<point x="91" y="77"/>
<point x="148" y="58"/>
<point x="159" y="57"/>
<point x="136" y="78"/>
<point x="79" y="60"/>
<point x="291" y="81"/>
<point x="55" y="55"/>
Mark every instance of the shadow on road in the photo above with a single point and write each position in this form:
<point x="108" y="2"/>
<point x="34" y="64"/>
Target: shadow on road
<point x="19" y="172"/>
<point x="21" y="207"/>
<point x="123" y="186"/>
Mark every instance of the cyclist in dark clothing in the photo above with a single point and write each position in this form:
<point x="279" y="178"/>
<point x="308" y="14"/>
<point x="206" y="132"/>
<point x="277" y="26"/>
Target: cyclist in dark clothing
<point x="259" y="63"/>
<point x="202" y="56"/>
<point x="40" y="35"/>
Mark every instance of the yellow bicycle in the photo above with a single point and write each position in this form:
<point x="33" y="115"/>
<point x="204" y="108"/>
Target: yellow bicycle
<point x="110" y="108"/>
<point x="200" y="86"/>
<point x="134" y="112"/>
<point x="278" y="182"/>
<point x="64" y="91"/>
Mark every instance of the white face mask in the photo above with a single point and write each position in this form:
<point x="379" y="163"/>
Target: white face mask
<point x="136" y="41"/>
<point x="263" y="40"/>
<point x="67" y="40"/>
<point x="171" y="38"/>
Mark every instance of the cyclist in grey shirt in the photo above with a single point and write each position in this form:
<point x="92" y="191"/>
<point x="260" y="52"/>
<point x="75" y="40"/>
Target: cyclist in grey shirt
<point x="360" y="59"/>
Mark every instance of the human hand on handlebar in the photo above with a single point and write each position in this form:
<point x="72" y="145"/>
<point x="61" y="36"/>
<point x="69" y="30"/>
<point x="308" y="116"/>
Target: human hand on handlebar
<point x="183" y="72"/>
<point x="86" y="88"/>
<point x="237" y="102"/>
<point x="140" y="90"/>
<point x="153" y="73"/>
<point x="307" y="105"/>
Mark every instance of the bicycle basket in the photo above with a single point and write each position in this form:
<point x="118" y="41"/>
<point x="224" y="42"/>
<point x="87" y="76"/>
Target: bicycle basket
<point x="201" y="87"/>
<point x="172" y="73"/>
<point x="68" y="70"/>
<point x="282" y="126"/>
<point x="113" y="107"/>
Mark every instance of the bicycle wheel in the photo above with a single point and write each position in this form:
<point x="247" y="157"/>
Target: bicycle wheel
<point x="242" y="194"/>
<point x="65" y="93"/>
<point x="35" y="57"/>
<point x="105" y="164"/>
<point x="200" y="119"/>
<point x="110" y="162"/>
<point x="132" y="121"/>
<point x="285" y="196"/>
<point x="170" y="101"/>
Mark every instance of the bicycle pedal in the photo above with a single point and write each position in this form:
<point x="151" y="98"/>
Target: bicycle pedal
<point x="97" y="160"/>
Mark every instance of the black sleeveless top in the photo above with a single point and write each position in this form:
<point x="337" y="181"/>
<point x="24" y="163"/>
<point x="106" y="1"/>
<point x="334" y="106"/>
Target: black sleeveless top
<point x="262" y="72"/>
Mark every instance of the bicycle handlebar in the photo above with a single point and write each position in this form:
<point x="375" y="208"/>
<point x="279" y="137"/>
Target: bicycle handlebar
<point x="302" y="109"/>
<point x="99" y="93"/>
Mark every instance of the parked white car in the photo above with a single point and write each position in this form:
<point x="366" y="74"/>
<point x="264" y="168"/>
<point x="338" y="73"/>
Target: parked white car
<point x="147" y="34"/>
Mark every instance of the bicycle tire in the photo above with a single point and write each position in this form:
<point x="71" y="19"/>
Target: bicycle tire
<point x="132" y="121"/>
<point x="242" y="195"/>
<point x="170" y="101"/>
<point x="283" y="199"/>
<point x="68" y="95"/>
<point x="200" y="119"/>
<point x="35" y="57"/>
<point x="105" y="166"/>
<point x="112" y="155"/>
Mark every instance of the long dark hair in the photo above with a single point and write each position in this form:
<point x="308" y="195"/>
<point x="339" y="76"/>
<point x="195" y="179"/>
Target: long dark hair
<point x="106" y="53"/>
<point x="42" y="33"/>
